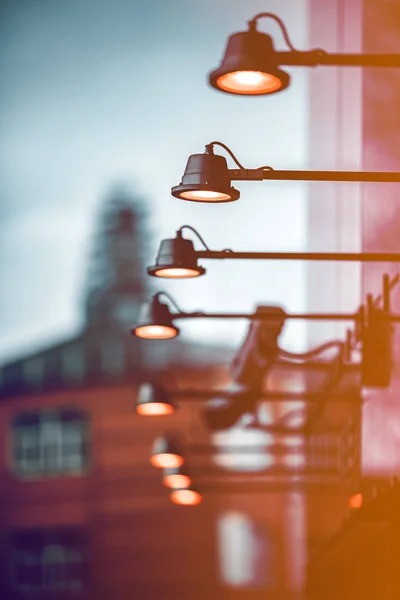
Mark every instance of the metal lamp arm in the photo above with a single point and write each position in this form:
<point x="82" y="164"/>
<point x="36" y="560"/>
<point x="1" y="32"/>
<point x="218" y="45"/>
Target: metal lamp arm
<point x="319" y="56"/>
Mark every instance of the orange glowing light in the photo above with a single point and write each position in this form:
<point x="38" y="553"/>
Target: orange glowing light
<point x="155" y="332"/>
<point x="176" y="480"/>
<point x="186" y="497"/>
<point x="153" y="409"/>
<point x="166" y="460"/>
<point x="249" y="82"/>
<point x="205" y="196"/>
<point x="176" y="273"/>
<point x="356" y="501"/>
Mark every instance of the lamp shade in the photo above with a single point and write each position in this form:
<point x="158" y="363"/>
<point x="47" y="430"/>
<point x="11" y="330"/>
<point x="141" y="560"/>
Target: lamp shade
<point x="155" y="321"/>
<point x="249" y="66"/>
<point x="176" y="259"/>
<point x="176" y="478"/>
<point x="153" y="400"/>
<point x="185" y="497"/>
<point x="166" y="452"/>
<point x="206" y="179"/>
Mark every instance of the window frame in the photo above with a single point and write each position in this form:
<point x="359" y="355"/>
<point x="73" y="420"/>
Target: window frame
<point x="52" y="559"/>
<point x="18" y="466"/>
<point x="260" y="555"/>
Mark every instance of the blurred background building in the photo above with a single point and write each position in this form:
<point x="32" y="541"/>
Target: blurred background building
<point x="82" y="512"/>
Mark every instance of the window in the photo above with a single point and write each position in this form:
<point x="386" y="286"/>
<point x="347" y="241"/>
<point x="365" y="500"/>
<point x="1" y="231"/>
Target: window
<point x="50" y="443"/>
<point x="48" y="561"/>
<point x="73" y="363"/>
<point x="33" y="371"/>
<point x="113" y="355"/>
<point x="258" y="459"/>
<point x="245" y="552"/>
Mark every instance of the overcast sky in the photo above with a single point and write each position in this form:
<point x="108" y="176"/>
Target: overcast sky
<point x="94" y="92"/>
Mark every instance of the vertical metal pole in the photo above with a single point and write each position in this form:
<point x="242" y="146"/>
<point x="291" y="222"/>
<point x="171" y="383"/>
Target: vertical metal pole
<point x="370" y="308"/>
<point x="386" y="293"/>
<point x="360" y="324"/>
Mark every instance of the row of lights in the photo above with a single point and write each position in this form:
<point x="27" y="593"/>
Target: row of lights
<point x="167" y="455"/>
<point x="153" y="400"/>
<point x="251" y="66"/>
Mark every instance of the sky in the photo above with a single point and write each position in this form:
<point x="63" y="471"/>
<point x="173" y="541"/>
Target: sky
<point x="95" y="92"/>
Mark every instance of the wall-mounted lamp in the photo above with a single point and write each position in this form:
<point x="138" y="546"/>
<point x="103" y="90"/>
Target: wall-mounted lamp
<point x="153" y="400"/>
<point x="178" y="259"/>
<point x="177" y="478"/>
<point x="159" y="323"/>
<point x="208" y="179"/>
<point x="251" y="65"/>
<point x="155" y="320"/>
<point x="222" y="408"/>
<point x="186" y="497"/>
<point x="166" y="452"/>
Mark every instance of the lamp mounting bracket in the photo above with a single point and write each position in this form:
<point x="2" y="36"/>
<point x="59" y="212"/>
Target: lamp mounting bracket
<point x="246" y="174"/>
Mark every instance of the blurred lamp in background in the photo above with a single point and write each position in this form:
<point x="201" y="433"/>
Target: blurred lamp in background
<point x="185" y="497"/>
<point x="166" y="452"/>
<point x="152" y="400"/>
<point x="176" y="478"/>
<point x="176" y="258"/>
<point x="155" y="321"/>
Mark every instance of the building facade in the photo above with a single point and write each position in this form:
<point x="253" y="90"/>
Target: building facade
<point x="83" y="513"/>
<point x="358" y="560"/>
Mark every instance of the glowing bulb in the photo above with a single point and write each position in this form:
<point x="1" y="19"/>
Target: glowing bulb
<point x="249" y="82"/>
<point x="185" y="497"/>
<point x="356" y="501"/>
<point x="166" y="460"/>
<point x="155" y="332"/>
<point x="177" y="273"/>
<point x="205" y="196"/>
<point x="153" y="409"/>
<point x="177" y="480"/>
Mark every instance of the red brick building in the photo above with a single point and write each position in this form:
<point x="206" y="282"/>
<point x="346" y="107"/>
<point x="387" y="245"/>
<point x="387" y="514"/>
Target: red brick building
<point x="83" y="513"/>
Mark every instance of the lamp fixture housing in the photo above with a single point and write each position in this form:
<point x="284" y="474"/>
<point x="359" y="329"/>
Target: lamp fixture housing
<point x="206" y="179"/>
<point x="176" y="259"/>
<point x="166" y="452"/>
<point x="185" y="497"/>
<point x="249" y="66"/>
<point x="177" y="478"/>
<point x="155" y="321"/>
<point x="153" y="400"/>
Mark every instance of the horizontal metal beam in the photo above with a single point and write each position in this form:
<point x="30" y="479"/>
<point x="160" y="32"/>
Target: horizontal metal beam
<point x="318" y="480"/>
<point x="301" y="449"/>
<point x="314" y="58"/>
<point x="272" y="396"/>
<point x="270" y="174"/>
<point x="386" y="257"/>
<point x="263" y="317"/>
